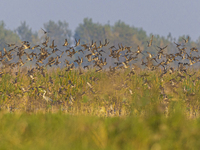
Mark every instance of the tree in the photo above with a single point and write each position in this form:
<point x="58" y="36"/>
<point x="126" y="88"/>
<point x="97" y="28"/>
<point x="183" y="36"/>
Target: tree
<point x="89" y="31"/>
<point x="7" y="36"/>
<point x="119" y="33"/>
<point x="25" y="33"/>
<point x="58" y="32"/>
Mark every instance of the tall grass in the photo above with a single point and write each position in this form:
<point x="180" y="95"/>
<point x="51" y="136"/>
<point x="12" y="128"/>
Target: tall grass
<point x="111" y="94"/>
<point x="106" y="116"/>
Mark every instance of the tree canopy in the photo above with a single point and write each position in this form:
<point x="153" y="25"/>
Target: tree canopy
<point x="7" y="36"/>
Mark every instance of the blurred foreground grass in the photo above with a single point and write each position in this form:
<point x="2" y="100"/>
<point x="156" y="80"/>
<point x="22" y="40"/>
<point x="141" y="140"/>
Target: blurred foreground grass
<point x="62" y="131"/>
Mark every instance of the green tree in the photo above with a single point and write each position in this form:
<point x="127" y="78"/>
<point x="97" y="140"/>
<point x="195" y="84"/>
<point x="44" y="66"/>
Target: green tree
<point x="25" y="33"/>
<point x="119" y="33"/>
<point x="58" y="32"/>
<point x="7" y="36"/>
<point x="89" y="31"/>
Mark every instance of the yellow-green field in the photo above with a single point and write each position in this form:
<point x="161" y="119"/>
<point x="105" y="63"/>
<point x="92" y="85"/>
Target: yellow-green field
<point x="63" y="131"/>
<point x="113" y="111"/>
<point x="99" y="94"/>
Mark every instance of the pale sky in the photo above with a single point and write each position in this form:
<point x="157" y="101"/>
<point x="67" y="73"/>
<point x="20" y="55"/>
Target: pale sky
<point x="180" y="17"/>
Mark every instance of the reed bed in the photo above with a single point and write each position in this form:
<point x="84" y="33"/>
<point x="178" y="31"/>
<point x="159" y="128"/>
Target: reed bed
<point x="98" y="94"/>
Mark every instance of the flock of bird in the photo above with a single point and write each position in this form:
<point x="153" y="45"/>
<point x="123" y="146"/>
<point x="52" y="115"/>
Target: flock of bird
<point x="95" y="55"/>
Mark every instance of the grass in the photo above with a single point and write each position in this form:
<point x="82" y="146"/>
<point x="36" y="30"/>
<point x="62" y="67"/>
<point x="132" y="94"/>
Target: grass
<point x="61" y="131"/>
<point x="107" y="116"/>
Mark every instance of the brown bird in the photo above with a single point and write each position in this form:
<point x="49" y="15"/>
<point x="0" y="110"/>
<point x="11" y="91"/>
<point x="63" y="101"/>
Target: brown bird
<point x="162" y="48"/>
<point x="85" y="46"/>
<point x="52" y="46"/>
<point x="66" y="43"/>
<point x="9" y="45"/>
<point x="177" y="45"/>
<point x="186" y="40"/>
<point x="77" y="42"/>
<point x="106" y="42"/>
<point x="150" y="42"/>
<point x="138" y="51"/>
<point x="35" y="46"/>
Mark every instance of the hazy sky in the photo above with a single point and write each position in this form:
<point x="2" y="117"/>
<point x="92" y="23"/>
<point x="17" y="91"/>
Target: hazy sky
<point x="180" y="17"/>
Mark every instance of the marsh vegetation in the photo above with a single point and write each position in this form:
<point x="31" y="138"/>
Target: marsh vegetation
<point x="109" y="97"/>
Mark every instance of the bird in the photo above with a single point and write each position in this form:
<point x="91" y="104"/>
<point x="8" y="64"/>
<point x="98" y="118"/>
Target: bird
<point x="150" y="42"/>
<point x="106" y="42"/>
<point x="52" y="46"/>
<point x="66" y="43"/>
<point x="138" y="51"/>
<point x="47" y="99"/>
<point x="71" y="99"/>
<point x="186" y="40"/>
<point x="162" y="48"/>
<point x="89" y="85"/>
<point x="77" y="42"/>
<point x="177" y="45"/>
<point x="125" y="65"/>
<point x="45" y="32"/>
<point x="85" y="46"/>
<point x="150" y="55"/>
<point x="9" y="45"/>
<point x="35" y="46"/>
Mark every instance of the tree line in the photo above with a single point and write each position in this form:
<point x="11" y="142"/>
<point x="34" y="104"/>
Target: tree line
<point x="119" y="34"/>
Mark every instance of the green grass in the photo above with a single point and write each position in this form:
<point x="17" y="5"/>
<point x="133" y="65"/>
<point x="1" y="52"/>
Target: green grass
<point x="61" y="131"/>
<point x="107" y="118"/>
<point x="110" y="95"/>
